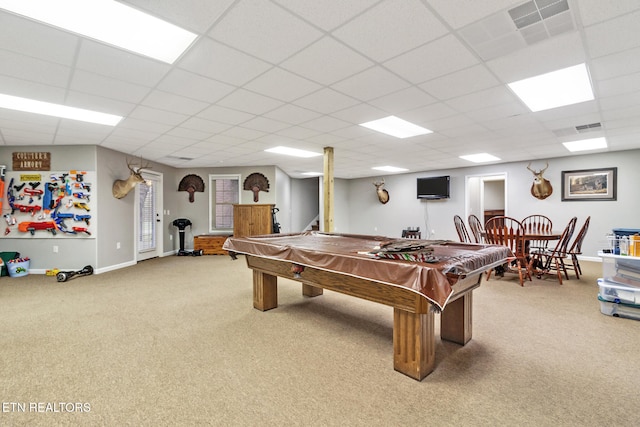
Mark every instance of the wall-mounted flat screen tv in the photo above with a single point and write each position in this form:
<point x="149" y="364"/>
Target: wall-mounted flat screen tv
<point x="433" y="188"/>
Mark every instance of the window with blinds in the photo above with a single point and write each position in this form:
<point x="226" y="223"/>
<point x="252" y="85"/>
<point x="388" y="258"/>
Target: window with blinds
<point x="224" y="192"/>
<point x="147" y="235"/>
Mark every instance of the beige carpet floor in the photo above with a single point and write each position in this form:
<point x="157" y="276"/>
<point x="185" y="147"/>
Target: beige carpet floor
<point x="175" y="342"/>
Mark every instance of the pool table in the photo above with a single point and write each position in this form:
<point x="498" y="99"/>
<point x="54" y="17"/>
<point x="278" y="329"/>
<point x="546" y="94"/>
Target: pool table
<point x="418" y="278"/>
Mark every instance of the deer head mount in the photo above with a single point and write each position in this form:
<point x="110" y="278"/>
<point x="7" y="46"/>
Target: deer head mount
<point x="121" y="187"/>
<point x="541" y="188"/>
<point x="256" y="182"/>
<point x="383" y="195"/>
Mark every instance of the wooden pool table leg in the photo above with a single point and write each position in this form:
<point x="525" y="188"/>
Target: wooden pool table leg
<point x="265" y="291"/>
<point x="413" y="343"/>
<point x="455" y="320"/>
<point x="311" y="291"/>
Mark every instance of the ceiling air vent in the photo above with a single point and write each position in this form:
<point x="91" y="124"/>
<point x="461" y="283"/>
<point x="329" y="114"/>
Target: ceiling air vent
<point x="588" y="128"/>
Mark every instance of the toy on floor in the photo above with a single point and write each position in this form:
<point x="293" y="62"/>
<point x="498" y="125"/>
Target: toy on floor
<point x="63" y="276"/>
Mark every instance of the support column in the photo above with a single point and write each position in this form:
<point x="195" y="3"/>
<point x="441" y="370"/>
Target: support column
<point x="327" y="183"/>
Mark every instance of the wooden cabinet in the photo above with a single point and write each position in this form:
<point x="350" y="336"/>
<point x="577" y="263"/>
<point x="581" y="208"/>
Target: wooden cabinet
<point x="251" y="220"/>
<point x="210" y="244"/>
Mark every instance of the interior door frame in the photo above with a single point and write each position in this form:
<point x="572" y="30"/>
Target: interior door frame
<point x="157" y="177"/>
<point x="470" y="190"/>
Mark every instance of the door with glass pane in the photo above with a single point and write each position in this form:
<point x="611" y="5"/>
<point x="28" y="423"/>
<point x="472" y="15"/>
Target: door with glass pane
<point x="149" y="224"/>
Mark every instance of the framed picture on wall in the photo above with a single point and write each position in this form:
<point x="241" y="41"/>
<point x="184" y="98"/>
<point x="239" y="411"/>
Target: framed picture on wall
<point x="589" y="184"/>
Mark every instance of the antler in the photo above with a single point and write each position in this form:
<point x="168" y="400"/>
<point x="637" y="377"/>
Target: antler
<point x="538" y="172"/>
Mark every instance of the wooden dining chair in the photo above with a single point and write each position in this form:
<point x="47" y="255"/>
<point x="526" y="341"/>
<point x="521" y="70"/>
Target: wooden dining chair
<point x="509" y="232"/>
<point x="476" y="228"/>
<point x="463" y="234"/>
<point x="576" y="247"/>
<point x="537" y="224"/>
<point x="552" y="260"/>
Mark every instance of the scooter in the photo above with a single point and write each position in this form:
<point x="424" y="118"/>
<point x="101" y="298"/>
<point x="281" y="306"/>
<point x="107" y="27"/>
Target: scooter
<point x="63" y="276"/>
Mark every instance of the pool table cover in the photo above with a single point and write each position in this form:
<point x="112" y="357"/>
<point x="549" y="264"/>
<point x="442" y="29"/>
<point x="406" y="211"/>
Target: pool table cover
<point x="365" y="257"/>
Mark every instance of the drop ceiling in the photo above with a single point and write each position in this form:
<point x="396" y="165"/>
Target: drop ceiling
<point x="305" y="73"/>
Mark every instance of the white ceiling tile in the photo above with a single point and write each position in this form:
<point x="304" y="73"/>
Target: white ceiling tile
<point x="498" y="95"/>
<point x="461" y="82"/>
<point x="462" y="12"/>
<point x="36" y="40"/>
<point x="359" y="113"/>
<point x="174" y="103"/>
<point x="194" y="86"/>
<point x="292" y="114"/>
<point x="203" y="125"/>
<point x="264" y="30"/>
<point x="613" y="36"/>
<point x="249" y="102"/>
<point x="369" y="32"/>
<point x="615" y="65"/>
<point x="119" y="64"/>
<point x="264" y="124"/>
<point x="327" y="61"/>
<point x="326" y="101"/>
<point x="617" y="85"/>
<point x="28" y="89"/>
<point x="402" y="100"/>
<point x="326" y="14"/>
<point x="298" y="132"/>
<point x="325" y="124"/>
<point x="96" y="84"/>
<point x="558" y="52"/>
<point x="593" y="11"/>
<point x="371" y="83"/>
<point x="419" y="65"/>
<point x="142" y="112"/>
<point x="211" y="59"/>
<point x="224" y="115"/>
<point x="34" y="70"/>
<point x="281" y="84"/>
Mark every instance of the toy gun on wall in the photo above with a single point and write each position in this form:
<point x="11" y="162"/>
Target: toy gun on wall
<point x="81" y="195"/>
<point x="11" y="198"/>
<point x="84" y="218"/>
<point x="33" y="192"/>
<point x="26" y="208"/>
<point x="32" y="227"/>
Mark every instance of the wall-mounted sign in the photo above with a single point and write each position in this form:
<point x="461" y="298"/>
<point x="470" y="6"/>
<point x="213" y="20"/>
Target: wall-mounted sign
<point x="31" y="161"/>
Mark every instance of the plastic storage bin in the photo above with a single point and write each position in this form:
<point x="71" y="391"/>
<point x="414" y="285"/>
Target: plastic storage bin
<point x="617" y="292"/>
<point x="19" y="268"/>
<point x="627" y="311"/>
<point x="621" y="269"/>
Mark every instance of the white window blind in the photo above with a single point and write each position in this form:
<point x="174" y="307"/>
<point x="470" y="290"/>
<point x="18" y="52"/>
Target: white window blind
<point x="224" y="193"/>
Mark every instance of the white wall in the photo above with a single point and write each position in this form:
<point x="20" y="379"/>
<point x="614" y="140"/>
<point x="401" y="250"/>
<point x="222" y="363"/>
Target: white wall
<point x="368" y="216"/>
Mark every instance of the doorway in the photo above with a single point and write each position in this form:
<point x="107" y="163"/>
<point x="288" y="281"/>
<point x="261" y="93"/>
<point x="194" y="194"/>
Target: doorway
<point x="149" y="223"/>
<point x="486" y="195"/>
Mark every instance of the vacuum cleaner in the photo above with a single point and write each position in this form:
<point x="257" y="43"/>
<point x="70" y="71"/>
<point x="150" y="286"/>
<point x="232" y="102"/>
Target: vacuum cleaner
<point x="182" y="224"/>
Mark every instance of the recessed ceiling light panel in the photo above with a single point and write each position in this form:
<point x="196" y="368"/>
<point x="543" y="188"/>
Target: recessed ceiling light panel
<point x="586" y="144"/>
<point x="57" y="110"/>
<point x="480" y="158"/>
<point x="111" y="22"/>
<point x="389" y="169"/>
<point x="395" y="126"/>
<point x="292" y="152"/>
<point x="555" y="89"/>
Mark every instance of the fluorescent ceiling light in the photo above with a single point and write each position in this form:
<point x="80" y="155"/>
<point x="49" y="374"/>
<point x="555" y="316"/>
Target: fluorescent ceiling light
<point x="586" y="144"/>
<point x="292" y="152"/>
<point x="56" y="110"/>
<point x="110" y="22"/>
<point x="389" y="169"/>
<point x="556" y="89"/>
<point x="480" y="158"/>
<point x="395" y="126"/>
<point x="312" y="173"/>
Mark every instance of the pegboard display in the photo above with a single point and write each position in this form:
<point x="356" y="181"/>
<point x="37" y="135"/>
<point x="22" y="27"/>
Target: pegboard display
<point x="49" y="204"/>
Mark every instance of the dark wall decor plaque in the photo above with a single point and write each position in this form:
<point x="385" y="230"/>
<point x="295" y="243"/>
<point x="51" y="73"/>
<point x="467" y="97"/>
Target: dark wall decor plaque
<point x="31" y="161"/>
